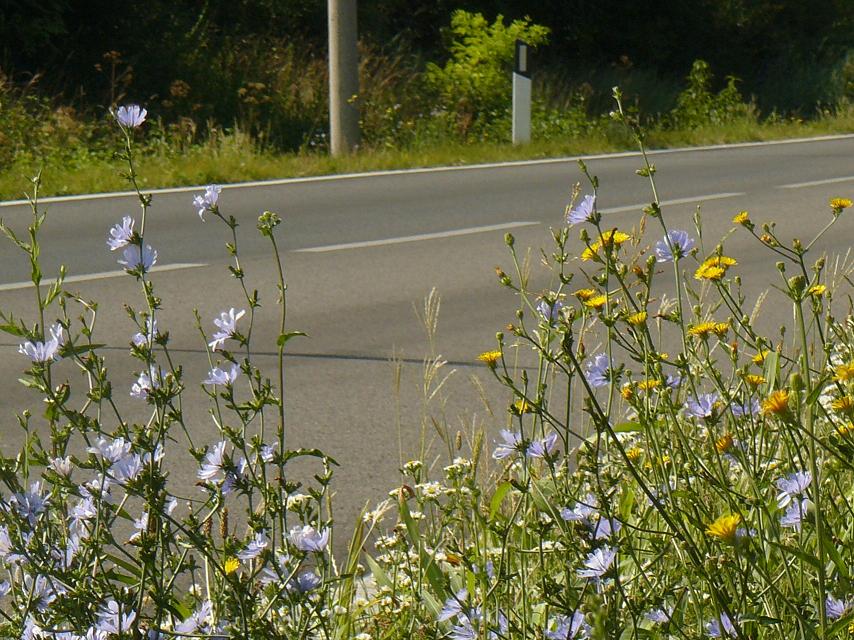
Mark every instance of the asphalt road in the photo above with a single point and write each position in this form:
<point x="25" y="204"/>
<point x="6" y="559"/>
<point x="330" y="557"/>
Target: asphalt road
<point x="362" y="252"/>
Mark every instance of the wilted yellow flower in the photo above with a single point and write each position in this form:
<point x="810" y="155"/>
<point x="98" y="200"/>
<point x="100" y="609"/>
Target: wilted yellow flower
<point x="231" y="565"/>
<point x="741" y="218"/>
<point x="840" y="204"/>
<point x="724" y="443"/>
<point x="585" y="294"/>
<point x="596" y="302"/>
<point x="609" y="238"/>
<point x="759" y="358"/>
<point x="843" y="404"/>
<point x="637" y="318"/>
<point x="725" y="528"/>
<point x="702" y="330"/>
<point x="777" y="403"/>
<point x="754" y="380"/>
<point x="817" y="290"/>
<point x="490" y="357"/>
<point x="634" y="453"/>
<point x="844" y="372"/>
<point x="627" y="392"/>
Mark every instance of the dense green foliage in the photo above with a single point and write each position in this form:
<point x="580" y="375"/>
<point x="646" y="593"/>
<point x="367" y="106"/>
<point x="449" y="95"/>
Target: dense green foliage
<point x="259" y="64"/>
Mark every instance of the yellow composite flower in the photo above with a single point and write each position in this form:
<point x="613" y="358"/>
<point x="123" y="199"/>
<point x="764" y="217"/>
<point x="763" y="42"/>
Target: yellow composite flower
<point x="634" y="453"/>
<point x="724" y="443"/>
<point x="522" y="406"/>
<point x="741" y="217"/>
<point x="777" y="403"/>
<point x="585" y="294"/>
<point x="490" y="357"/>
<point x="725" y="528"/>
<point x="754" y="380"/>
<point x="231" y="565"/>
<point x="845" y="429"/>
<point x="627" y="392"/>
<point x="843" y="404"/>
<point x="648" y="383"/>
<point x="714" y="268"/>
<point x="636" y="319"/>
<point x="609" y="238"/>
<point x="705" y="329"/>
<point x="817" y="290"/>
<point x="759" y="358"/>
<point x="838" y="204"/>
<point x="844" y="372"/>
<point x="596" y="302"/>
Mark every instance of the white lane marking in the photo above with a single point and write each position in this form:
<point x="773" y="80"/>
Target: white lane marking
<point x="398" y="172"/>
<point x="637" y="207"/>
<point x="815" y="183"/>
<point x="101" y="276"/>
<point x="415" y="238"/>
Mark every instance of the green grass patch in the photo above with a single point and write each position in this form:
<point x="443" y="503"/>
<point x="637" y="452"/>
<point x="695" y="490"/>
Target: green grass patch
<point x="235" y="158"/>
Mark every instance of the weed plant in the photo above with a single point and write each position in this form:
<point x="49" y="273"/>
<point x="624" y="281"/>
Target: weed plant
<point x="704" y="490"/>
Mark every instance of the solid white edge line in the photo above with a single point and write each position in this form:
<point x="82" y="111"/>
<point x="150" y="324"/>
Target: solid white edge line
<point x="815" y="183"/>
<point x="664" y="203"/>
<point x="85" y="277"/>
<point x="421" y="236"/>
<point x="396" y="172"/>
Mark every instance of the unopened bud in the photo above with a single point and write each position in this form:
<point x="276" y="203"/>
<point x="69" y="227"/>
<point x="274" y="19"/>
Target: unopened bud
<point x="509" y="240"/>
<point x="797" y="284"/>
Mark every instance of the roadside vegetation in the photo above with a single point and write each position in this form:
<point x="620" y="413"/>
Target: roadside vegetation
<point x="665" y="470"/>
<point x="259" y="111"/>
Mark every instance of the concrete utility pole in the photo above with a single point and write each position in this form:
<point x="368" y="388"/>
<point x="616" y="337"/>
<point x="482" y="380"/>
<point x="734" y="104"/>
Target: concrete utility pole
<point x="343" y="77"/>
<point x="522" y="94"/>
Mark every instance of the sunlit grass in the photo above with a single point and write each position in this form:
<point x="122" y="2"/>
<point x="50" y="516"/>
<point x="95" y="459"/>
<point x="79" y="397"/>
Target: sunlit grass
<point x="233" y="158"/>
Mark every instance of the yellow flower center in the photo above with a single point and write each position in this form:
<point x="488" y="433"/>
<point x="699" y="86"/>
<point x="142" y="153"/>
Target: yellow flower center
<point x="725" y="527"/>
<point x="777" y="403"/>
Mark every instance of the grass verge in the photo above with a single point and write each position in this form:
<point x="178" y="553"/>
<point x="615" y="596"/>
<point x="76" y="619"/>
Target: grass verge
<point x="234" y="158"/>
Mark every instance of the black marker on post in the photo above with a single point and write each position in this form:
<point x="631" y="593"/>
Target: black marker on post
<point x="522" y="94"/>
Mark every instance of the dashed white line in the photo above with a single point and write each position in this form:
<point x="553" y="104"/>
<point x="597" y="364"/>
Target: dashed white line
<point x="816" y="183"/>
<point x="637" y="207"/>
<point x="421" y="236"/>
<point x="85" y="277"/>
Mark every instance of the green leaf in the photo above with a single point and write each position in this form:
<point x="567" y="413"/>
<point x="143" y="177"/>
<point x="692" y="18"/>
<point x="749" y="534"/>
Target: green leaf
<point x="799" y="554"/>
<point x="833" y="552"/>
<point x="298" y="453"/>
<point x="283" y="338"/>
<point x="497" y="498"/>
<point x="428" y="564"/>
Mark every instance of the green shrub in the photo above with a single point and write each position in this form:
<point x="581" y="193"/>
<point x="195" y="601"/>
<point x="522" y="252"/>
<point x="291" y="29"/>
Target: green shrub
<point x="475" y="82"/>
<point x="697" y="105"/>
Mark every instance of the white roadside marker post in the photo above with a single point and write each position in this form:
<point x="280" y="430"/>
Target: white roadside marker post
<point x="521" y="94"/>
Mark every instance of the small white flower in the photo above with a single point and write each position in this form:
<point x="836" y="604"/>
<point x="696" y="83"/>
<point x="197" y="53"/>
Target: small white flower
<point x="308" y="538"/>
<point x="120" y="234"/>
<point x="115" y="618"/>
<point x="208" y="201"/>
<point x="141" y="340"/>
<point x="133" y="258"/>
<point x="213" y="462"/>
<point x="217" y="376"/>
<point x="62" y="466"/>
<point x="227" y="324"/>
<point x="131" y="116"/>
<point x="254" y="547"/>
